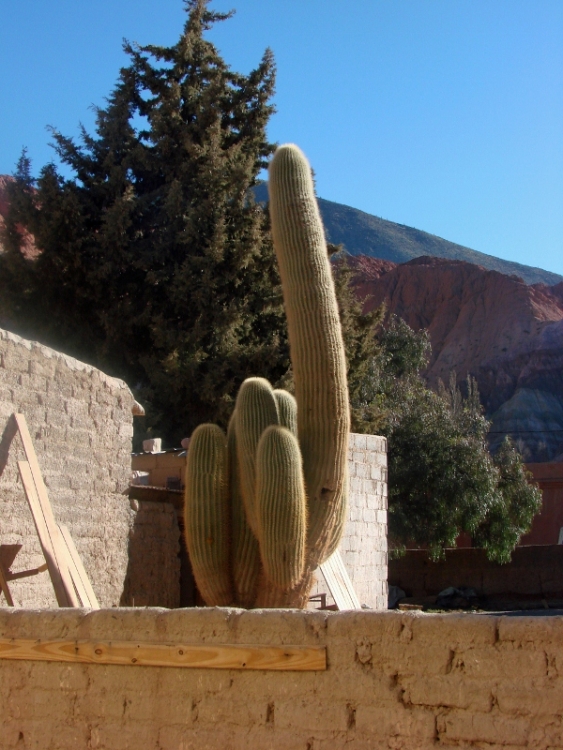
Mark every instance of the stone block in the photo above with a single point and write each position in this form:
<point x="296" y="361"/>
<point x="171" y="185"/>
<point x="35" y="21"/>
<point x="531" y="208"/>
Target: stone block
<point x="449" y="691"/>
<point x="399" y="723"/>
<point x="494" y="729"/>
<point x="488" y="662"/>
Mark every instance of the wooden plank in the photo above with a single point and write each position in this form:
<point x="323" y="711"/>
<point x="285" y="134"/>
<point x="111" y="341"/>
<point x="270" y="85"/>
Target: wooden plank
<point x="192" y="656"/>
<point x="4" y="586"/>
<point x="83" y="599"/>
<point x="79" y="576"/>
<point x="47" y="511"/>
<point x="339" y="583"/>
<point x="45" y="539"/>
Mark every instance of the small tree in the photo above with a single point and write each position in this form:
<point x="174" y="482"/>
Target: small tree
<point x="155" y="265"/>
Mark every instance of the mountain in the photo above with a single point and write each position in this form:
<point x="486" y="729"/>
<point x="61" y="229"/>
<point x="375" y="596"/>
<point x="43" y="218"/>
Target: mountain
<point x="507" y="334"/>
<point x="364" y="234"/>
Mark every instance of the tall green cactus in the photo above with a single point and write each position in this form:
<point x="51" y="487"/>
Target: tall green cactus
<point x="286" y="472"/>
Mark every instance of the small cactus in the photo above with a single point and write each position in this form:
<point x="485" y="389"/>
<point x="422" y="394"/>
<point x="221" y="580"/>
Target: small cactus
<point x="284" y="460"/>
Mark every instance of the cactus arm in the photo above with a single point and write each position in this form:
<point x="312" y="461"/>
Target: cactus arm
<point x="282" y="507"/>
<point x="245" y="553"/>
<point x="256" y="409"/>
<point x="206" y="514"/>
<point x="317" y="350"/>
<point x="287" y="410"/>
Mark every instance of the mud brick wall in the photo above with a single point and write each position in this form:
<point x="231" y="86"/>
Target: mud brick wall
<point x="364" y="543"/>
<point x="81" y="424"/>
<point x="533" y="571"/>
<point x="394" y="680"/>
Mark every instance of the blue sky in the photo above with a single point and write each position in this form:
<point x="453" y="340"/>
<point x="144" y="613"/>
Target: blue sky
<point x="445" y="115"/>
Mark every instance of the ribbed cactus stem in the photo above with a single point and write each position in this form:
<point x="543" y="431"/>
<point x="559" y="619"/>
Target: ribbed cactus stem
<point x="287" y="410"/>
<point x="206" y="514"/>
<point x="256" y="409"/>
<point x="317" y="350"/>
<point x="282" y="507"/>
<point x="245" y="553"/>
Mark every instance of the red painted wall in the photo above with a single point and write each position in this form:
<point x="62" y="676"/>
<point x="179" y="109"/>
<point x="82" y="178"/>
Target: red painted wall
<point x="546" y="525"/>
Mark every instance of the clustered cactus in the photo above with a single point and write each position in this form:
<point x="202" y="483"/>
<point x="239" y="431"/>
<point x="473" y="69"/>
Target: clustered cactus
<point x="266" y="503"/>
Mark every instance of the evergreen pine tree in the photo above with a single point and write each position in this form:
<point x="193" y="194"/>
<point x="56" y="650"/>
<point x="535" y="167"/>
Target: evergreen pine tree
<point x="155" y="264"/>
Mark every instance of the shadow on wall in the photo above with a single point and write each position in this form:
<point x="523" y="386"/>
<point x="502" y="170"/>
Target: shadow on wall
<point x="153" y="577"/>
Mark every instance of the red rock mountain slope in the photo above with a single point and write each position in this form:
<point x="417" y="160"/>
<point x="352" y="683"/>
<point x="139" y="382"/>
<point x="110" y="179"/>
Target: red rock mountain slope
<point x="508" y="334"/>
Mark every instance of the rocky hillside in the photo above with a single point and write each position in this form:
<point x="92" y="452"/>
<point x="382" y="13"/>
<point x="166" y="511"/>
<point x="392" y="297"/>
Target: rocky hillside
<point x="364" y="234"/>
<point x="508" y="334"/>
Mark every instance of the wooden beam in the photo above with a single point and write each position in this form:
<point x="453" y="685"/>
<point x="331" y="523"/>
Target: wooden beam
<point x="64" y="589"/>
<point x="77" y="572"/>
<point x="62" y="581"/>
<point x="191" y="656"/>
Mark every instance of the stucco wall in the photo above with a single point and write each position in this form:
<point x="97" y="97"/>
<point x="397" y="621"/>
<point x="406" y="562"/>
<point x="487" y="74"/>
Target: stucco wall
<point x="364" y="542"/>
<point x="81" y="424"/>
<point x="403" y="681"/>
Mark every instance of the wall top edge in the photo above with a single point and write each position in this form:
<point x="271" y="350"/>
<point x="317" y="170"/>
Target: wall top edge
<point x="122" y="618"/>
<point x="72" y="363"/>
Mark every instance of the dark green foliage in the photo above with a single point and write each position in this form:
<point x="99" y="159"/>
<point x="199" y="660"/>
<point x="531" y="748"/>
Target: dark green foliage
<point x="516" y="504"/>
<point x="358" y="331"/>
<point x="442" y="479"/>
<point x="155" y="266"/>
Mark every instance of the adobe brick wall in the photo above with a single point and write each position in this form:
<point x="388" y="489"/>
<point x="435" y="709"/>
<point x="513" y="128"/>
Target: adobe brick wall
<point x="394" y="680"/>
<point x="81" y="425"/>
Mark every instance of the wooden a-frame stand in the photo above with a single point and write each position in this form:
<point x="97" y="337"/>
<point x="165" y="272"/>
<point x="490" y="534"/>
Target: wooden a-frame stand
<point x="70" y="581"/>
